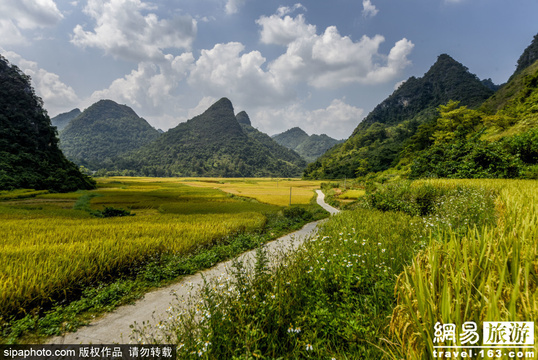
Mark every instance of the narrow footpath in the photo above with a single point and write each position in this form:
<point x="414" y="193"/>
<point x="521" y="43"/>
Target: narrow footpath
<point x="114" y="327"/>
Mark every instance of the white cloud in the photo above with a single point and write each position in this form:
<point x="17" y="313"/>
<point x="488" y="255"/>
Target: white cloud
<point x="31" y="14"/>
<point x="150" y="87"/>
<point x="331" y="60"/>
<point x="232" y="6"/>
<point x="283" y="31"/>
<point x="56" y="95"/>
<point x="336" y="120"/>
<point x="10" y="33"/>
<point x="285" y="10"/>
<point x="328" y="60"/>
<point x="17" y="15"/>
<point x="123" y="31"/>
<point x="369" y="9"/>
<point x="225" y="71"/>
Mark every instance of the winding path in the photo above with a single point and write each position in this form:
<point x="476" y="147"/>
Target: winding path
<point x="114" y="327"/>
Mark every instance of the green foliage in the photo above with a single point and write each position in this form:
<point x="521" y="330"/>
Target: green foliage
<point x="60" y="121"/>
<point x="466" y="159"/>
<point x="381" y="139"/>
<point x="331" y="299"/>
<point x="309" y="147"/>
<point x="110" y="211"/>
<point x="104" y="131"/>
<point x="29" y="153"/>
<point x="296" y="213"/>
<point x="440" y="207"/>
<point x="211" y="144"/>
<point x="455" y="122"/>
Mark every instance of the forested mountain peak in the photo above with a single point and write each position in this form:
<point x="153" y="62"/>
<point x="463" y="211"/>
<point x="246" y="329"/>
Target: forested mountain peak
<point x="243" y="118"/>
<point x="212" y="144"/>
<point x="108" y="109"/>
<point x="446" y="80"/>
<point x="29" y="153"/>
<point x="62" y="120"/>
<point x="291" y="138"/>
<point x="214" y="124"/>
<point x="309" y="147"/>
<point x="377" y="141"/>
<point x="103" y="131"/>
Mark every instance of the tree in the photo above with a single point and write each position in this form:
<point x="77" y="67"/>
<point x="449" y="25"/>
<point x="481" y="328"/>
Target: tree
<point x="455" y="122"/>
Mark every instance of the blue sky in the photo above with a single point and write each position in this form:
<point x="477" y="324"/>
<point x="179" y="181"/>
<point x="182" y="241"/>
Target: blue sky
<point x="317" y="64"/>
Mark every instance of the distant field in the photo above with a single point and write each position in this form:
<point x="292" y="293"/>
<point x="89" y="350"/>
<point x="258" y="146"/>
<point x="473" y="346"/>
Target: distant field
<point x="352" y="194"/>
<point x="50" y="244"/>
<point x="270" y="191"/>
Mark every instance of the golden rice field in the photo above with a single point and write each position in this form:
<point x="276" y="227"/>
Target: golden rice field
<point x="270" y="191"/>
<point x="487" y="275"/>
<point x="47" y="247"/>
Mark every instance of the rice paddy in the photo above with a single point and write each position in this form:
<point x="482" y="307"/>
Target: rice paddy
<point x="51" y="245"/>
<point x="270" y="191"/>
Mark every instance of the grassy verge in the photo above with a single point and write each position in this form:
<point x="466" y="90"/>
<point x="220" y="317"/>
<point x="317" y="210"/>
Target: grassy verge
<point x="333" y="299"/>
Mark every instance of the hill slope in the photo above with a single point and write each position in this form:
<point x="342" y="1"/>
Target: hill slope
<point x="309" y="147"/>
<point x="529" y="56"/>
<point x="29" y="153"/>
<point x="500" y="139"/>
<point x="104" y="131"/>
<point x="211" y="144"/>
<point x="61" y="120"/>
<point x="270" y="145"/>
<point x="377" y="141"/>
<point x="291" y="138"/>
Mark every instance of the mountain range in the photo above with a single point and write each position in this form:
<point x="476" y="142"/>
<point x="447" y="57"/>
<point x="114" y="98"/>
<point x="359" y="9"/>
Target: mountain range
<point x="377" y="141"/>
<point x="446" y="124"/>
<point x="111" y="138"/>
<point x="309" y="147"/>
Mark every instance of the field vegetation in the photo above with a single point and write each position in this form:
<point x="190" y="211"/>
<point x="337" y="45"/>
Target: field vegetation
<point x="59" y="250"/>
<point x="376" y="279"/>
<point x="266" y="190"/>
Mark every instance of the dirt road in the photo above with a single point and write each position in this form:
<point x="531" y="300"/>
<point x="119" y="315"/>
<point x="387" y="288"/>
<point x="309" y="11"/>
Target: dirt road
<point x="114" y="327"/>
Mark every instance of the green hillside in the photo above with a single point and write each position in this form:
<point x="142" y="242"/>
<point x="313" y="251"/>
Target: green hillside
<point x="211" y="144"/>
<point x="273" y="147"/>
<point x="291" y="138"/>
<point x="104" y="131"/>
<point x="29" y="153"/>
<point x="61" y="120"/>
<point x="309" y="147"/>
<point x="500" y="139"/>
<point x="377" y="142"/>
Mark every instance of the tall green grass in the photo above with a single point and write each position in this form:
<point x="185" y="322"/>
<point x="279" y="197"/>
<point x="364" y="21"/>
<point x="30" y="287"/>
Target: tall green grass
<point x="331" y="299"/>
<point x="485" y="274"/>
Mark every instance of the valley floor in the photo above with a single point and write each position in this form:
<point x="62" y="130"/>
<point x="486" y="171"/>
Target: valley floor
<point x="115" y="327"/>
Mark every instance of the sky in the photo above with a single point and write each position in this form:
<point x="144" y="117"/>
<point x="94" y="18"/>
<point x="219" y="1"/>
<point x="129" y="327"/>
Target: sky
<point x="318" y="64"/>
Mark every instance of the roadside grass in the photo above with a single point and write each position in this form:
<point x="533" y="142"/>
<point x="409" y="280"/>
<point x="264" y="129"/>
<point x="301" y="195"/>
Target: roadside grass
<point x="62" y="266"/>
<point x="485" y="274"/>
<point x="334" y="298"/>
